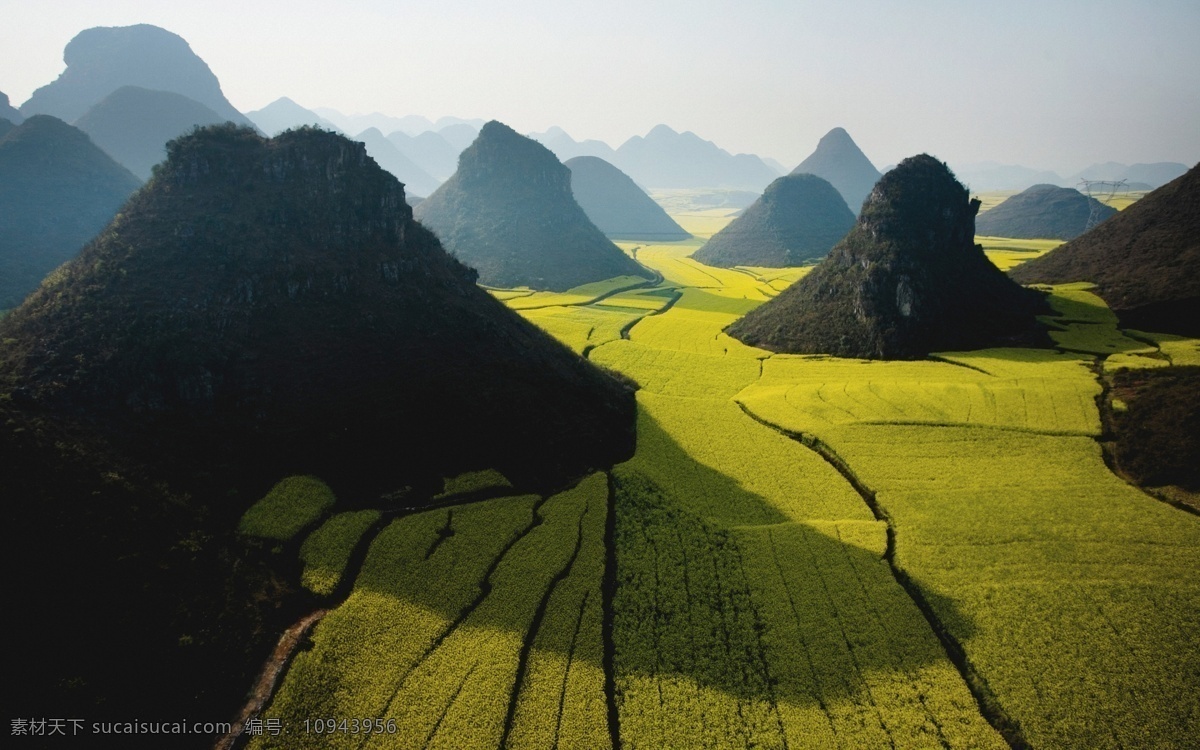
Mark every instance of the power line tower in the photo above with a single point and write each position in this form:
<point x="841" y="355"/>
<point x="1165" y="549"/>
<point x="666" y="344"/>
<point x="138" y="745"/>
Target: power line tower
<point x="1100" y="191"/>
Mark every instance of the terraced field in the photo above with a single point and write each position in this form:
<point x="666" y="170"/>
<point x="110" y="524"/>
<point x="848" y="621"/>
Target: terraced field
<point x="803" y="552"/>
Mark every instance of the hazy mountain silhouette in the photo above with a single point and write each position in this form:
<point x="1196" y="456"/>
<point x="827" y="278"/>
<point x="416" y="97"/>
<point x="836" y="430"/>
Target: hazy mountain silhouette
<point x="990" y="175"/>
<point x="617" y="206"/>
<point x="1144" y="260"/>
<point x="134" y="124"/>
<point x="57" y="190"/>
<point x="1155" y="175"/>
<point x="664" y="158"/>
<point x="416" y="180"/>
<point x="906" y="281"/>
<point x="839" y="160"/>
<point x="272" y="303"/>
<point x="103" y="59"/>
<point x="798" y="219"/>
<point x="285" y="114"/>
<point x="1042" y="211"/>
<point x="509" y="212"/>
<point x="565" y="147"/>
<point x="8" y="112"/>
<point x="429" y="151"/>
<point x="5" y="127"/>
<point x="459" y="135"/>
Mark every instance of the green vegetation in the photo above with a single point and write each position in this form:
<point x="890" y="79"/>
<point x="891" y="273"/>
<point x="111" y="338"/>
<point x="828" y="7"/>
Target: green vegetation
<point x="327" y="550"/>
<point x="506" y="644"/>
<point x="580" y="295"/>
<point x="291" y="505"/>
<point x="473" y="481"/>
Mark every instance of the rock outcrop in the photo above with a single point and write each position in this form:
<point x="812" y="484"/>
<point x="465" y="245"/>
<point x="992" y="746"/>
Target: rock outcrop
<point x="796" y="221"/>
<point x="509" y="213"/>
<point x="906" y="281"/>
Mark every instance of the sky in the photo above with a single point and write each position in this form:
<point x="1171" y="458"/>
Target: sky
<point x="1053" y="84"/>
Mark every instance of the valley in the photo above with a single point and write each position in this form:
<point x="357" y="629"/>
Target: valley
<point x="804" y="551"/>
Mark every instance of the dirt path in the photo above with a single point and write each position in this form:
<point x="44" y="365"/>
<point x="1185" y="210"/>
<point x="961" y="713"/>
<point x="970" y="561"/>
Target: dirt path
<point x="268" y="679"/>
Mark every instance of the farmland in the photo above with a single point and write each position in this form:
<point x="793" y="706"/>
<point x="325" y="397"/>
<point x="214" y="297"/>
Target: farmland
<point x="804" y="551"/>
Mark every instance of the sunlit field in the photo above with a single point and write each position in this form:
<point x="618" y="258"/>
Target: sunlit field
<point x="804" y="552"/>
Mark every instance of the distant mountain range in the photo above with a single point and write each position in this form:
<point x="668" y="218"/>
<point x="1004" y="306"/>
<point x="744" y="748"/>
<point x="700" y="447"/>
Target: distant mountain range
<point x="385" y="153"/>
<point x="990" y="175"/>
<point x="284" y="114"/>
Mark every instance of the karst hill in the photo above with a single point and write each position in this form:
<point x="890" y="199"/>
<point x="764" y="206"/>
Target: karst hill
<point x="509" y="212"/>
<point x="133" y="125"/>
<point x="1145" y="260"/>
<point x="57" y="190"/>
<point x="1042" y="212"/>
<point x="797" y="220"/>
<point x="271" y="306"/>
<point x="906" y="281"/>
<point x="103" y="59"/>
<point x="617" y="206"/>
<point x="839" y="160"/>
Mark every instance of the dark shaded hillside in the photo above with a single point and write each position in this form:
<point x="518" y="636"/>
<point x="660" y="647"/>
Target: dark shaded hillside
<point x="272" y="305"/>
<point x="617" y="206"/>
<point x="509" y="213"/>
<point x="1042" y="212"/>
<point x="133" y="125"/>
<point x="57" y="190"/>
<point x="1145" y="260"/>
<point x="260" y="308"/>
<point x="798" y="219"/>
<point x="839" y="160"/>
<point x="1158" y="435"/>
<point x="906" y="281"/>
<point x="416" y="180"/>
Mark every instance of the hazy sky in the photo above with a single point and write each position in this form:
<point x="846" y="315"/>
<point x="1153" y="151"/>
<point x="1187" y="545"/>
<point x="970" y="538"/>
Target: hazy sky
<point x="1055" y="84"/>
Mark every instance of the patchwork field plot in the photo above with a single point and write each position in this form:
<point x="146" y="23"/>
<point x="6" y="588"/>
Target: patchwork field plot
<point x="472" y="626"/>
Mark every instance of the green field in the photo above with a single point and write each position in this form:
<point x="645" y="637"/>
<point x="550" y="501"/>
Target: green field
<point x="804" y="552"/>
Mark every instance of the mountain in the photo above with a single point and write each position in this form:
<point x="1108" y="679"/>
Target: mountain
<point x="429" y="151"/>
<point x="459" y="135"/>
<point x="796" y="220"/>
<point x="508" y="211"/>
<point x="5" y="127"/>
<point x="1144" y="260"/>
<point x="616" y="205"/>
<point x="990" y="175"/>
<point x="416" y="180"/>
<point x="565" y="147"/>
<point x="102" y="60"/>
<point x="57" y="190"/>
<point x="664" y="158"/>
<point x="134" y="124"/>
<point x="272" y="302"/>
<point x="1042" y="211"/>
<point x="1155" y="175"/>
<point x="839" y="160"/>
<point x="906" y="281"/>
<point x="7" y="112"/>
<point x="285" y="114"/>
